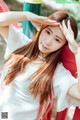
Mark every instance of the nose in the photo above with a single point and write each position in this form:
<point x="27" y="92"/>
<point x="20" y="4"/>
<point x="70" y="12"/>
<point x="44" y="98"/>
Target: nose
<point x="48" y="42"/>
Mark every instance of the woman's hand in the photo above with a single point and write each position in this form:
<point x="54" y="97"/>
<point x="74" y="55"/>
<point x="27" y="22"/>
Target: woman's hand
<point x="68" y="32"/>
<point x="38" y="21"/>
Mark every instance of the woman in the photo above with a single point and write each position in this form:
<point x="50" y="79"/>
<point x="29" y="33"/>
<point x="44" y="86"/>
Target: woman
<point x="33" y="76"/>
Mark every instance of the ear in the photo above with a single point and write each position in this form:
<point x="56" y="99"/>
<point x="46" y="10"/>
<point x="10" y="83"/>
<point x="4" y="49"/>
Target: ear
<point x="37" y="25"/>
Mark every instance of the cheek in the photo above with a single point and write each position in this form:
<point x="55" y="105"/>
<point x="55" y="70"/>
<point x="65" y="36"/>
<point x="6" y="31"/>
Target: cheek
<point x="41" y="38"/>
<point x="40" y="41"/>
<point x="55" y="46"/>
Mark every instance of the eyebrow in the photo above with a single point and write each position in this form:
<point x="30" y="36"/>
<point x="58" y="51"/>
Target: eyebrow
<point x="59" y="38"/>
<point x="50" y="30"/>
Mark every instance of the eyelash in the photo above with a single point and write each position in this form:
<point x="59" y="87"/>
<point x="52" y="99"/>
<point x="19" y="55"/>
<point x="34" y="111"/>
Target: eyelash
<point x="57" y="40"/>
<point x="48" y="32"/>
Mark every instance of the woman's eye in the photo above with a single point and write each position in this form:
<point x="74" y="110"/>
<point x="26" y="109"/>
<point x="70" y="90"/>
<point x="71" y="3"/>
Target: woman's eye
<point x="48" y="32"/>
<point x="57" y="40"/>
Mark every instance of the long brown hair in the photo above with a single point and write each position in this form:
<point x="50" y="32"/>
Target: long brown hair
<point x="42" y="79"/>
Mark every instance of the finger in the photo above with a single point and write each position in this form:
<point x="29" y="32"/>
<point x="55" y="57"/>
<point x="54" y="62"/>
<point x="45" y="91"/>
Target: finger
<point x="61" y="27"/>
<point x="48" y="22"/>
<point x="69" y="28"/>
<point x="44" y="18"/>
<point x="64" y="25"/>
<point x="51" y="22"/>
<point x="69" y="25"/>
<point x="39" y="24"/>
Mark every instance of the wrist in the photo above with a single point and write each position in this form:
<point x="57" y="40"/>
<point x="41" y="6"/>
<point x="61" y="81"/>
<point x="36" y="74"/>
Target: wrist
<point x="29" y="15"/>
<point x="75" y="48"/>
<point x="77" y="52"/>
<point x="26" y="14"/>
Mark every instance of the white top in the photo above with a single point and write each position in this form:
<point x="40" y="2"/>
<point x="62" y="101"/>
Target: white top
<point x="15" y="98"/>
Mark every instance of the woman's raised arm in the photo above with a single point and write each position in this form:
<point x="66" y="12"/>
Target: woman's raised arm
<point x="7" y="18"/>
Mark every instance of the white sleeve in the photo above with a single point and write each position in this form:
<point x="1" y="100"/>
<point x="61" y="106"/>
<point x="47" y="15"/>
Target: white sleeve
<point x="63" y="80"/>
<point x="2" y="84"/>
<point x="16" y="39"/>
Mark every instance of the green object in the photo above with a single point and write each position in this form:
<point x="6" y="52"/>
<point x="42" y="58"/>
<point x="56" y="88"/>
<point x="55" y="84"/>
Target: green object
<point x="35" y="7"/>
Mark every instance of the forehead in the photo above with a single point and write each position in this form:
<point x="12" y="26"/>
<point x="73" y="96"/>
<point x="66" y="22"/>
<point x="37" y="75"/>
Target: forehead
<point x="57" y="31"/>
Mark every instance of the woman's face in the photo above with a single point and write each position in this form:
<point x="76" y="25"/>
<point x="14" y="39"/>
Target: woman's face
<point x="51" y="39"/>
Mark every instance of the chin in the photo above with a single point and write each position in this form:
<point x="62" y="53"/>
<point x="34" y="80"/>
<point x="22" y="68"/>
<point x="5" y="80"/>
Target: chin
<point x="42" y="51"/>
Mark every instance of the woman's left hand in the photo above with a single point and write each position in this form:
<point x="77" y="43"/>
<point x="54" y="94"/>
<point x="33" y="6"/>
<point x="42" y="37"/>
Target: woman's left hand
<point x="68" y="32"/>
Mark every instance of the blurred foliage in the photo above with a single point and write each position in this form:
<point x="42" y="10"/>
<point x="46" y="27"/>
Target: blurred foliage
<point x="68" y="0"/>
<point x="14" y="5"/>
<point x="51" y="6"/>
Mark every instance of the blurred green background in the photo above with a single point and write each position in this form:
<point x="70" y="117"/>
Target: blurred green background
<point x="50" y="6"/>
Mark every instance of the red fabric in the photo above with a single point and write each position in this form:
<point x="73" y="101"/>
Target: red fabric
<point x="49" y="115"/>
<point x="3" y="6"/>
<point x="62" y="115"/>
<point x="76" y="114"/>
<point x="68" y="60"/>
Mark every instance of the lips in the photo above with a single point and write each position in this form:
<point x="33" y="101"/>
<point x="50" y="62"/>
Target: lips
<point x="44" y="46"/>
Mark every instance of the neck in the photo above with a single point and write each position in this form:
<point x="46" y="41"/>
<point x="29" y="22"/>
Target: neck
<point x="40" y="59"/>
<point x="42" y="54"/>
